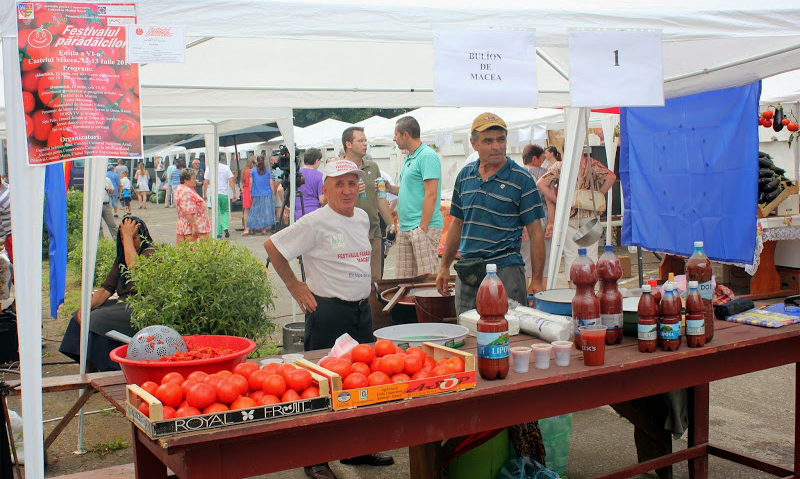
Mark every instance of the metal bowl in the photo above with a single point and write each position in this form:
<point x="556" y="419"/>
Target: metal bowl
<point x="589" y="233"/>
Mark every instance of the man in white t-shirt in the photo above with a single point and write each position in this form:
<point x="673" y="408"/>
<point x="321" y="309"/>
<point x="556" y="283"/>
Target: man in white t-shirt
<point x="335" y="246"/>
<point x="225" y="188"/>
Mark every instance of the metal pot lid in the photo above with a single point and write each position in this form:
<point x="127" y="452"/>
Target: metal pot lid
<point x="560" y="295"/>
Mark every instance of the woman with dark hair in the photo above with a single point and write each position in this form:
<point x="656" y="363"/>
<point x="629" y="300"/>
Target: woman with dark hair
<point x="133" y="239"/>
<point x="193" y="221"/>
<point x="551" y="155"/>
<point x="262" y="209"/>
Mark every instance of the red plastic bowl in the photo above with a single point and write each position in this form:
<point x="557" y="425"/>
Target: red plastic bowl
<point x="137" y="372"/>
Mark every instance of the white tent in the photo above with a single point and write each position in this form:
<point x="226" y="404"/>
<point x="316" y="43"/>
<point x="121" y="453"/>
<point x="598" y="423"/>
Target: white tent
<point x="385" y="60"/>
<point x="324" y="133"/>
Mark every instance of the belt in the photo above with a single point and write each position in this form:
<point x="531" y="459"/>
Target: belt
<point x="341" y="301"/>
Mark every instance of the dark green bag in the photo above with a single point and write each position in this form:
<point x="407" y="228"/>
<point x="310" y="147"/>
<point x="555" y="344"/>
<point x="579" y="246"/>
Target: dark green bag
<point x="470" y="271"/>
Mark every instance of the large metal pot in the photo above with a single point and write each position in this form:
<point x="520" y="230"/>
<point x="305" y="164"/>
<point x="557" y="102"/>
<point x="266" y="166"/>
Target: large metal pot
<point x="405" y="310"/>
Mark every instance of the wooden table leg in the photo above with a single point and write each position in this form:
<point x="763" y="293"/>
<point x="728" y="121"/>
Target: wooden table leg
<point x="147" y="465"/>
<point x="698" y="429"/>
<point x="766" y="279"/>
<point x="425" y="460"/>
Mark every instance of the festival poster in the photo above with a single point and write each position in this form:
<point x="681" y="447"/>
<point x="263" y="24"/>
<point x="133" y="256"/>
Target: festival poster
<point x="81" y="98"/>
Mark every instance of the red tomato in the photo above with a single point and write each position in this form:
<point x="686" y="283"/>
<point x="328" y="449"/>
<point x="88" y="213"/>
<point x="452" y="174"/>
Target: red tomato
<point x="30" y="80"/>
<point x="384" y="347"/>
<point x="285" y="368"/>
<point x="354" y="381"/>
<point x="256" y="378"/>
<point x="168" y="412"/>
<point x="52" y="21"/>
<point x="375" y="365"/>
<point x="170" y="394"/>
<point x="34" y="46"/>
<point x="377" y="378"/>
<point x="243" y="402"/>
<point x="298" y="380"/>
<point x="399" y="350"/>
<point x="173" y="377"/>
<point x="126" y="127"/>
<point x="414" y="350"/>
<point x="256" y="395"/>
<point x="767" y="114"/>
<point x="274" y="384"/>
<point x="215" y="408"/>
<point x="422" y="374"/>
<point x="186" y="385"/>
<point x="325" y="361"/>
<point x="272" y="368"/>
<point x="150" y="387"/>
<point x="290" y="395"/>
<point x="127" y="77"/>
<point x="400" y="378"/>
<point x="310" y="392"/>
<point x="144" y="408"/>
<point x="57" y="89"/>
<point x="392" y="364"/>
<point x="242" y="384"/>
<point x="28" y="101"/>
<point x="28" y="125"/>
<point x="429" y="364"/>
<point x="457" y="364"/>
<point x="213" y="379"/>
<point x="362" y="353"/>
<point x="340" y="367"/>
<point x="360" y="368"/>
<point x="227" y="391"/>
<point x="197" y="376"/>
<point x="268" y="400"/>
<point x="445" y="370"/>
<point x="201" y="395"/>
<point x="187" y="411"/>
<point x="412" y="364"/>
<point x="245" y="369"/>
<point x="102" y="79"/>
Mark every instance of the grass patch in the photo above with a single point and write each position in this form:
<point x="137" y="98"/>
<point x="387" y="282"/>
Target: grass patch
<point x="106" y="448"/>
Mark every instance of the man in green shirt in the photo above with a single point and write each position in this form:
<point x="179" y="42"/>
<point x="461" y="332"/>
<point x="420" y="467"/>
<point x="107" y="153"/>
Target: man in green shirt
<point x="418" y="197"/>
<point x="355" y="148"/>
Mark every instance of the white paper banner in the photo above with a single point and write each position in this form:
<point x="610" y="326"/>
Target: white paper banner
<point x="615" y="69"/>
<point x="484" y="68"/>
<point x="155" y="44"/>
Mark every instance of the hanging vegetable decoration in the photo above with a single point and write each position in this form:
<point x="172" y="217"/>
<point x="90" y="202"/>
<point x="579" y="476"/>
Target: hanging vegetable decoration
<point x="774" y="117"/>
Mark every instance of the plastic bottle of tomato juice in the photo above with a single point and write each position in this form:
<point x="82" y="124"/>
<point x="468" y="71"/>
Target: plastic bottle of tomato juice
<point x="492" y="328"/>
<point x="609" y="270"/>
<point x="585" y="304"/>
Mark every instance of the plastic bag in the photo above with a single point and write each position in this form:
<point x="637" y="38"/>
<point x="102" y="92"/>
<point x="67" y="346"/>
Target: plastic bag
<point x="342" y="346"/>
<point x="526" y="468"/>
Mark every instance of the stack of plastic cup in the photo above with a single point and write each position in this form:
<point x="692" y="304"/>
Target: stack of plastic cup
<point x="541" y="355"/>
<point x="266" y="361"/>
<point x="521" y="357"/>
<point x="562" y="351"/>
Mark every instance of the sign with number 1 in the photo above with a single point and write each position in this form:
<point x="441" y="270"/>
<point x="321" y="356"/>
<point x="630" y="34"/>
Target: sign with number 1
<point x="615" y="69"/>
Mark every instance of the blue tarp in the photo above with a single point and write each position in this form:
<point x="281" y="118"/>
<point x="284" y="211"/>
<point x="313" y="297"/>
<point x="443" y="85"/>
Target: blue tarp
<point x="689" y="172"/>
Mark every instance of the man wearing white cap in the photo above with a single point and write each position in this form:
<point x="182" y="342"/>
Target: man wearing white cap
<point x="336" y="250"/>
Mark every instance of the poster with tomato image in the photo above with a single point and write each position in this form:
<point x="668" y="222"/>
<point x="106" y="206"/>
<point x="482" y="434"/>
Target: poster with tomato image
<point x="81" y="99"/>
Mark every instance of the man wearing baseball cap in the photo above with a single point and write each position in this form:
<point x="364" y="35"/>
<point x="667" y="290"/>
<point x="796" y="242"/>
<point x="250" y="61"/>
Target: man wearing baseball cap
<point x="336" y="250"/>
<point x="494" y="199"/>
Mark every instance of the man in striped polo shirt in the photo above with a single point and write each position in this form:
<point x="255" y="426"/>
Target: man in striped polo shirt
<point x="494" y="199"/>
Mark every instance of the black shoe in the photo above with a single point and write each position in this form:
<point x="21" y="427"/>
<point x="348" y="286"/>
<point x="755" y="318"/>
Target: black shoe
<point x="227" y="233"/>
<point x="376" y="459"/>
<point x="319" y="471"/>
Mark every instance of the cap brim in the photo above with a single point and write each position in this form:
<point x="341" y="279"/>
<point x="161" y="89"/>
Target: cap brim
<point x="358" y="173"/>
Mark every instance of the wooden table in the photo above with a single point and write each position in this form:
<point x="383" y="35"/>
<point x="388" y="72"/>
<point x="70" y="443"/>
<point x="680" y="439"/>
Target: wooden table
<point x="263" y="447"/>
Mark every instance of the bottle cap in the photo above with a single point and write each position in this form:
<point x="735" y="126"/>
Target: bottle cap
<point x="698" y="244"/>
<point x="645" y="288"/>
<point x="491" y="268"/>
<point x="668" y="286"/>
<point x="581" y="251"/>
<point x="692" y="284"/>
<point x="652" y="282"/>
<point x="609" y="248"/>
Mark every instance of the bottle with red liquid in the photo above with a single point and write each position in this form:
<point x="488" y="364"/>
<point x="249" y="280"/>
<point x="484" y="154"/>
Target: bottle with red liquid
<point x="670" y="328"/>
<point x="698" y="268"/>
<point x="585" y="304"/>
<point x="655" y="292"/>
<point x="492" y="329"/>
<point x="695" y="317"/>
<point x="647" y="329"/>
<point x="609" y="270"/>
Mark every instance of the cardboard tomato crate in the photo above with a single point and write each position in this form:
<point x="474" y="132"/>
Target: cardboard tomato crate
<point x="156" y="426"/>
<point x="350" y="398"/>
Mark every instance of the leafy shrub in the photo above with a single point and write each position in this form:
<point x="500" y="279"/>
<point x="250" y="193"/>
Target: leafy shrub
<point x="74" y="222"/>
<point x="206" y="287"/>
<point x="106" y="253"/>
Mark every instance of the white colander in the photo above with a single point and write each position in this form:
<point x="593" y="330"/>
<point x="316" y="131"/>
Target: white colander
<point x="153" y="343"/>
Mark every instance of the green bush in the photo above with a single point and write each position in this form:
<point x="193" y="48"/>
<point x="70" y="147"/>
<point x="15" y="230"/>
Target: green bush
<point x="74" y="222"/>
<point x="206" y="287"/>
<point x="106" y="253"/>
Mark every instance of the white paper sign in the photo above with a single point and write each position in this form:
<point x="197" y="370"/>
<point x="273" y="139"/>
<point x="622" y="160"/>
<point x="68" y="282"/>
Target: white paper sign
<point x="155" y="44"/>
<point x="484" y="68"/>
<point x="615" y="69"/>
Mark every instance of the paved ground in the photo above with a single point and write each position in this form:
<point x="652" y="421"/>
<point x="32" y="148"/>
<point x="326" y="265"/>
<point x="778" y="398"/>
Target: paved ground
<point x="749" y="413"/>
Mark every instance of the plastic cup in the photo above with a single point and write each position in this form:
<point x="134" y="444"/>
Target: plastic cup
<point x="266" y="361"/>
<point x="541" y="355"/>
<point x="521" y="357"/>
<point x="291" y="357"/>
<point x="562" y="350"/>
<point x="593" y="344"/>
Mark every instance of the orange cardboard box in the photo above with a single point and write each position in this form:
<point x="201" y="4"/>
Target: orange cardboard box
<point x="350" y="398"/>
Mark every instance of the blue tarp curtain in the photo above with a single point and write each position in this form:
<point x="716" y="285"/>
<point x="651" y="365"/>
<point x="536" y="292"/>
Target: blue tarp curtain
<point x="56" y="221"/>
<point x="689" y="173"/>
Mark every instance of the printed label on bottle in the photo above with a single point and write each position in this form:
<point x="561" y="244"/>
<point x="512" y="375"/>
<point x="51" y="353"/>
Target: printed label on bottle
<point x="695" y="327"/>
<point x="670" y="330"/>
<point x="492" y="345"/>
<point x="647" y="332"/>
<point x="611" y="320"/>
<point x="706" y="290"/>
